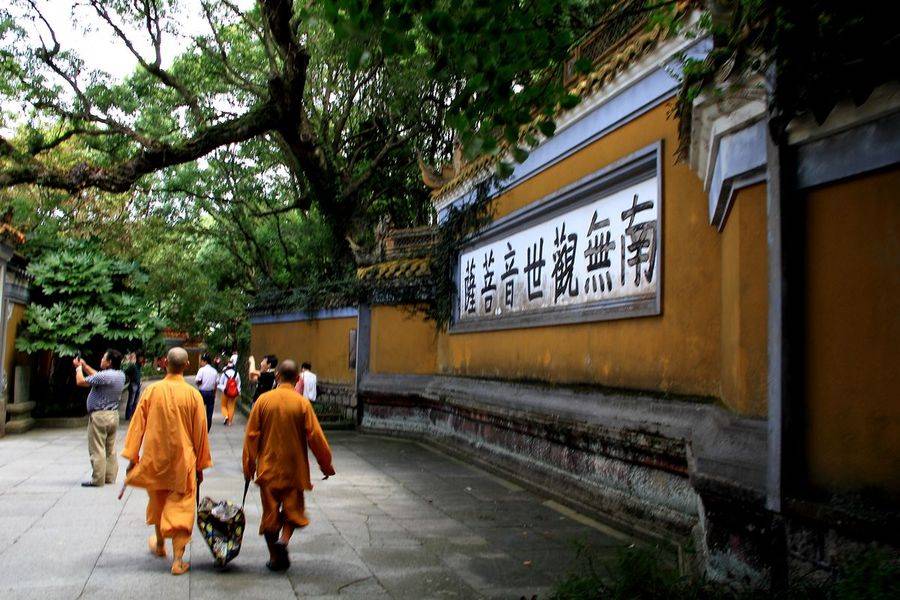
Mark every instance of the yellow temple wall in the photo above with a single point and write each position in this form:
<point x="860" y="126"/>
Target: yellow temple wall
<point x="852" y="319"/>
<point x="678" y="351"/>
<point x="745" y="303"/>
<point x="325" y="343"/>
<point x="403" y="341"/>
<point x="17" y="315"/>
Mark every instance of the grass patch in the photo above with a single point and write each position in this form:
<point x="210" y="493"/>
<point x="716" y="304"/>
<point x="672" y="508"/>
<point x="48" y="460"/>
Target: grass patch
<point x="640" y="573"/>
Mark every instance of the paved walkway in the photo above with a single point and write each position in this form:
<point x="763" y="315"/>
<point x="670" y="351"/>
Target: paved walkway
<point x="399" y="520"/>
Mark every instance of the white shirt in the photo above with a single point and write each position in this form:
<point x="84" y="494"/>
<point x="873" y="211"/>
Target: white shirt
<point x="206" y="378"/>
<point x="309" y="385"/>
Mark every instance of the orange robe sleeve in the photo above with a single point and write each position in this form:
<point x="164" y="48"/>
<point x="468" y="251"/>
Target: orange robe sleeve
<point x="251" y="442"/>
<point x="315" y="437"/>
<point x="135" y="436"/>
<point x="200" y="436"/>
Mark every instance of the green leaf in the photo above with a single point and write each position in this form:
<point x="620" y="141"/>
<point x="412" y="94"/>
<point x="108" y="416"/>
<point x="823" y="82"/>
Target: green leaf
<point x="520" y="154"/>
<point x="569" y="101"/>
<point x="547" y="128"/>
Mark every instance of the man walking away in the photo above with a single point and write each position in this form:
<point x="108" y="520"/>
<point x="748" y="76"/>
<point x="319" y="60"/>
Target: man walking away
<point x="230" y="384"/>
<point x="168" y="448"/>
<point x="103" y="414"/>
<point x="133" y="375"/>
<point x="206" y="382"/>
<point x="306" y="386"/>
<point x="281" y="425"/>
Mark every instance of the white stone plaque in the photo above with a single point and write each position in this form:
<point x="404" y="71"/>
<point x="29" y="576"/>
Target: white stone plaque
<point x="599" y="259"/>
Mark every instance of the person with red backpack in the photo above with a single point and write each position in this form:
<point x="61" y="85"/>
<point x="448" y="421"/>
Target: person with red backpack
<point x="230" y="386"/>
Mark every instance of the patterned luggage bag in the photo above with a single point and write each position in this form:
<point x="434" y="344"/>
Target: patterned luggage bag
<point x="222" y="525"/>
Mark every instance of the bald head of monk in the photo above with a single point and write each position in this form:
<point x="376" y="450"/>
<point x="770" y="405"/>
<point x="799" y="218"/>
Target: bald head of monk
<point x="176" y="360"/>
<point x="287" y="372"/>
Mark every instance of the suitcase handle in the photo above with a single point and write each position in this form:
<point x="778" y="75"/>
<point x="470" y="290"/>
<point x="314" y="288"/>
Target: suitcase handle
<point x="246" y="487"/>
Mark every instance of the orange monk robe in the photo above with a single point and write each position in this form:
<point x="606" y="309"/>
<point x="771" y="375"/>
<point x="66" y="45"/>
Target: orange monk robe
<point x="282" y="424"/>
<point x="168" y="443"/>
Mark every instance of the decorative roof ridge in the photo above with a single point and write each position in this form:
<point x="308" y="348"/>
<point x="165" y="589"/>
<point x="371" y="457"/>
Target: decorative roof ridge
<point x="8" y="232"/>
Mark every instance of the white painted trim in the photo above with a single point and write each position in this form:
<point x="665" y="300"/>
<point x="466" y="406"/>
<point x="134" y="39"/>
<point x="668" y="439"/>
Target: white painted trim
<point x="740" y="161"/>
<point x="319" y="315"/>
<point x="862" y="149"/>
<point x="883" y="101"/>
<point x="716" y="117"/>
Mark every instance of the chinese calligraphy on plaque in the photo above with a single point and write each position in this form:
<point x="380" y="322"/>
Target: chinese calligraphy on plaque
<point x="605" y="251"/>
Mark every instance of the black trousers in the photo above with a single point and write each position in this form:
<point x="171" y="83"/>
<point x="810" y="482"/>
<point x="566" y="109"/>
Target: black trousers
<point x="134" y="394"/>
<point x="209" y="401"/>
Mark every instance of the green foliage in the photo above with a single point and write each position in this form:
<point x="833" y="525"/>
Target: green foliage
<point x="459" y="224"/>
<point x="644" y="573"/>
<point x="384" y="81"/>
<point x="85" y="298"/>
<point x="478" y="47"/>
<point x="813" y="55"/>
<point x="872" y="575"/>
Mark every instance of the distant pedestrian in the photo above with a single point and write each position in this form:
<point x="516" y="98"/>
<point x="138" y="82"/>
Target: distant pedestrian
<point x="306" y="385"/>
<point x="133" y="377"/>
<point x="206" y="380"/>
<point x="281" y="429"/>
<point x="230" y="386"/>
<point x="265" y="376"/>
<point x="103" y="414"/>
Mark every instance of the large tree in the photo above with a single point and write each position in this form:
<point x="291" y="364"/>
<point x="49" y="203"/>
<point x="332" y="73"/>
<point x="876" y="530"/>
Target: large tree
<point x="341" y="93"/>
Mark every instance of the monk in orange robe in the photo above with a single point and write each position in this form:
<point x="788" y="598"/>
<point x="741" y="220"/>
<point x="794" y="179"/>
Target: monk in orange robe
<point x="281" y="427"/>
<point x="168" y="448"/>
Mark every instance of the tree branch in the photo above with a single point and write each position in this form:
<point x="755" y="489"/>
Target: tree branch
<point x="151" y="14"/>
<point x="119" y="178"/>
<point x="360" y="180"/>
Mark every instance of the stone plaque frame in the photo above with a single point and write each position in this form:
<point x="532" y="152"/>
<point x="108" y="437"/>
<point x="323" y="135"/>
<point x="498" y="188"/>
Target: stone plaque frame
<point x="637" y="167"/>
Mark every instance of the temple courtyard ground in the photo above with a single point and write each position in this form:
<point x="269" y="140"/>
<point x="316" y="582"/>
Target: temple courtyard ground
<point x="400" y="520"/>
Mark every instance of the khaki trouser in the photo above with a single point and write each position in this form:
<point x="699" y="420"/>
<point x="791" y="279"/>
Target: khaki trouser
<point x="102" y="445"/>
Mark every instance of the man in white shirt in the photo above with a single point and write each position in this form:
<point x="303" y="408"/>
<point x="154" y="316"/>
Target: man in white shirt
<point x="206" y="380"/>
<point x="309" y="381"/>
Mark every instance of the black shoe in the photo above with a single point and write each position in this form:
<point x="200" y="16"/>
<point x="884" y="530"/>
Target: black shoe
<point x="280" y="561"/>
<point x="281" y="552"/>
<point x="277" y="566"/>
<point x="90" y="484"/>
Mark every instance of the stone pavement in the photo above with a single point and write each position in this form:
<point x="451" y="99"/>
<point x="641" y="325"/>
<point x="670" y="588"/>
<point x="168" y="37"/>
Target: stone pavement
<point x="400" y="520"/>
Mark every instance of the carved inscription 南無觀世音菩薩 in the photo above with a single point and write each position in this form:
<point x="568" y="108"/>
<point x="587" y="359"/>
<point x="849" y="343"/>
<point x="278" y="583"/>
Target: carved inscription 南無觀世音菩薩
<point x="605" y="251"/>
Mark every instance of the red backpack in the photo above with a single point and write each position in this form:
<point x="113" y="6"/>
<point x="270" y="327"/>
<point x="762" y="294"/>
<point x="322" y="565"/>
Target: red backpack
<point x="231" y="388"/>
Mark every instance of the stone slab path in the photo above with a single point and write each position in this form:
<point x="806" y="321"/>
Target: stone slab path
<point x="400" y="520"/>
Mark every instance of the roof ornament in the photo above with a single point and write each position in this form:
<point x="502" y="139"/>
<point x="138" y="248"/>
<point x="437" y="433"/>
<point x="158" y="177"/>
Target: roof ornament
<point x="435" y="179"/>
